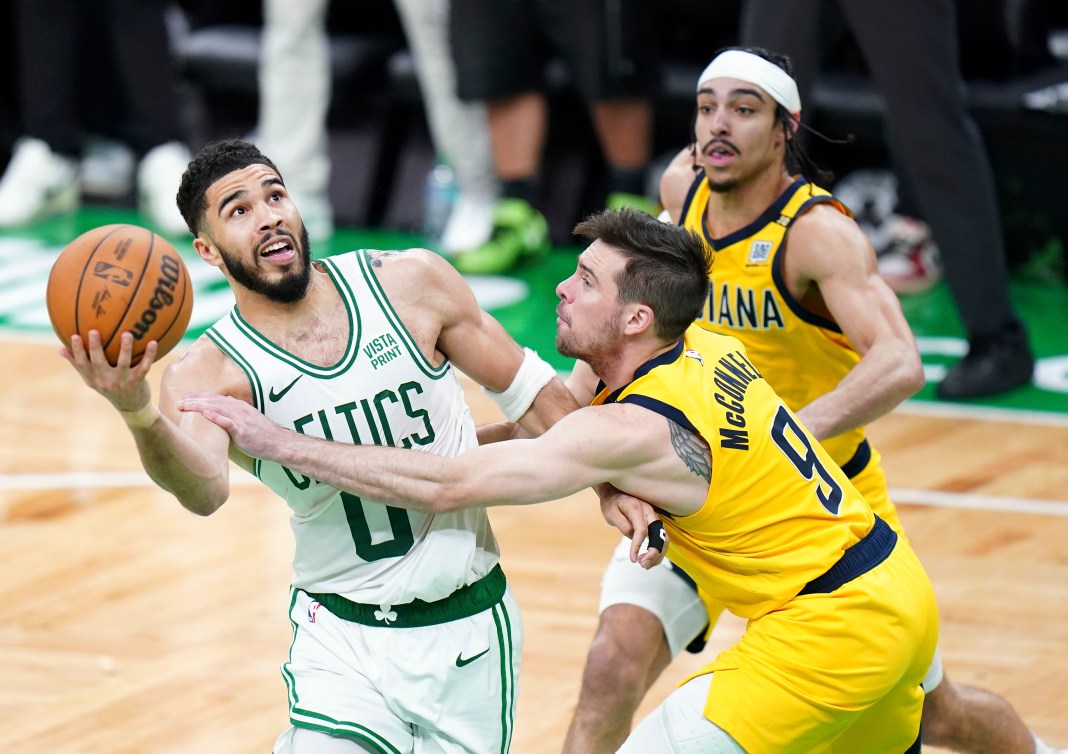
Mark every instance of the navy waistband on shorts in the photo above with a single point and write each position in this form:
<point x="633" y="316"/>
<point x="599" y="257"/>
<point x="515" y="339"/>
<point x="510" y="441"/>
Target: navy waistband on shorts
<point x="857" y="560"/>
<point x="463" y="603"/>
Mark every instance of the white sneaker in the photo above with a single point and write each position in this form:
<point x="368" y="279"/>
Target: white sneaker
<point x="107" y="168"/>
<point x="37" y="183"/>
<point x="470" y="223"/>
<point x="158" y="177"/>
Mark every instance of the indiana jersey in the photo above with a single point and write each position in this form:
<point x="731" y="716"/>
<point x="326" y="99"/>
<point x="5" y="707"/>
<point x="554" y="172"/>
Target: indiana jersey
<point x="801" y="354"/>
<point x="779" y="511"/>
<point x="383" y="391"/>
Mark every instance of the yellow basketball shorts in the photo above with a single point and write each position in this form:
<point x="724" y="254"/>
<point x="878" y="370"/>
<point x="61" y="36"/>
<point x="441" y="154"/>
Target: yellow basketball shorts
<point x="835" y="672"/>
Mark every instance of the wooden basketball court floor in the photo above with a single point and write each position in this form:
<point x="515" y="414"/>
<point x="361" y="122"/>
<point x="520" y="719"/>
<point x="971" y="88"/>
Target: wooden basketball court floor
<point x="130" y="626"/>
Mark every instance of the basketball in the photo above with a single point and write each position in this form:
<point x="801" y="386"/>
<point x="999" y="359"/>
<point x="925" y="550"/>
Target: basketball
<point x="117" y="278"/>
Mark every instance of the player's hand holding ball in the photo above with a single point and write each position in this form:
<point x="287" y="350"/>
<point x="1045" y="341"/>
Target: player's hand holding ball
<point x="119" y="296"/>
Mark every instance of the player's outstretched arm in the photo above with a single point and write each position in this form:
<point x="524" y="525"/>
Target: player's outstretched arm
<point x="510" y="473"/>
<point x="619" y="445"/>
<point x="188" y="461"/>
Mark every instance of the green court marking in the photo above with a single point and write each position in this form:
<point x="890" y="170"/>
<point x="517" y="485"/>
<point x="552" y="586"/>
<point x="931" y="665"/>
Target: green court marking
<point x="1043" y="306"/>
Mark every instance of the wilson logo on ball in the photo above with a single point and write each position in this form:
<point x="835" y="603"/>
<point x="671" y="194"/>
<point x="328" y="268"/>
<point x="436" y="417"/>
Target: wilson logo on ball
<point x="163" y="296"/>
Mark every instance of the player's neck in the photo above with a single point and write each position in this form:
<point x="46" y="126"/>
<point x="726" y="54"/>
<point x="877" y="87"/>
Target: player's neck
<point x="732" y="210"/>
<point x="618" y="370"/>
<point x="284" y="323"/>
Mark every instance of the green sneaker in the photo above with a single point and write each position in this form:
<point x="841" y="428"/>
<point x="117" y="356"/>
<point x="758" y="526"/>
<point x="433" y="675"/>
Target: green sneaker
<point x="520" y="233"/>
<point x="621" y="200"/>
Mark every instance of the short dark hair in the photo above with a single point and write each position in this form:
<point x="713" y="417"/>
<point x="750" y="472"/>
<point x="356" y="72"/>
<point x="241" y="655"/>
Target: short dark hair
<point x="667" y="266"/>
<point x="210" y="164"/>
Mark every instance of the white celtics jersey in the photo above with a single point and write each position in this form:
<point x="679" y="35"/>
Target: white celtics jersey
<point x="383" y="391"/>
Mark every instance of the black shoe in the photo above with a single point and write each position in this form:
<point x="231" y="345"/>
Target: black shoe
<point x="994" y="364"/>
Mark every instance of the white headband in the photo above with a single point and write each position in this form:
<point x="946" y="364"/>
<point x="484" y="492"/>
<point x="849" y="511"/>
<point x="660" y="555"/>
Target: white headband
<point x="745" y="66"/>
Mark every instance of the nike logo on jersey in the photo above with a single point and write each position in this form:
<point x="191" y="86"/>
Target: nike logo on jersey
<point x="461" y="661"/>
<point x="275" y="397"/>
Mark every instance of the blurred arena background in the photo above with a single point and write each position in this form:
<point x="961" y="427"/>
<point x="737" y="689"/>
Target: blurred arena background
<point x="130" y="626"/>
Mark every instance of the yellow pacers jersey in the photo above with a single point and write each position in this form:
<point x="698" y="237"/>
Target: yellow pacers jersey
<point x="779" y="511"/>
<point x="801" y="354"/>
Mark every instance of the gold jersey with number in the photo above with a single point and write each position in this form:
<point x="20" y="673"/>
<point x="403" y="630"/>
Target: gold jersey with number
<point x="779" y="510"/>
<point x="843" y="621"/>
<point x="803" y="355"/>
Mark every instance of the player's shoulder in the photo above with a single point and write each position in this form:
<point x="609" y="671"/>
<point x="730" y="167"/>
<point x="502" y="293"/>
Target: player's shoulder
<point x="710" y="342"/>
<point x="413" y="260"/>
<point x="402" y="270"/>
<point x="823" y="222"/>
<point x="421" y="284"/>
<point x="682" y="163"/>
<point x="824" y="242"/>
<point x="204" y="367"/>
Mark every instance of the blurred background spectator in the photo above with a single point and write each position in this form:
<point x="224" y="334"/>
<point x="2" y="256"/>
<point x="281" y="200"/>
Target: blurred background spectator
<point x="100" y="67"/>
<point x="501" y="50"/>
<point x="459" y="130"/>
<point x="1013" y="57"/>
<point x="294" y="86"/>
<point x="374" y="137"/>
<point x="294" y="76"/>
<point x="938" y="146"/>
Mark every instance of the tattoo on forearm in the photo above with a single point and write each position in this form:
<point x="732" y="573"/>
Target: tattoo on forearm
<point x="378" y="255"/>
<point x="691" y="450"/>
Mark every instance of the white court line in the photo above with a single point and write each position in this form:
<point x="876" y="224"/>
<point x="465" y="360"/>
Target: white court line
<point x="120" y="479"/>
<point x="982" y="413"/>
<point x="93" y="480"/>
<point x="966" y="501"/>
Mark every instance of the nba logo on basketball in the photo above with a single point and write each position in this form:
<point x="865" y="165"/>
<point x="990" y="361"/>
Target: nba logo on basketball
<point x="114" y="273"/>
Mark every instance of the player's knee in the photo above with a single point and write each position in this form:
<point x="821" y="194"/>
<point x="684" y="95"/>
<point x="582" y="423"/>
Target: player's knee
<point x="942" y="721"/>
<point x="624" y="650"/>
<point x="609" y="665"/>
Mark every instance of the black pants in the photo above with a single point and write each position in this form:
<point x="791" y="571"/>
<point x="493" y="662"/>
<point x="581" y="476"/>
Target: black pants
<point x="500" y="47"/>
<point x="911" y="49"/>
<point x="59" y="42"/>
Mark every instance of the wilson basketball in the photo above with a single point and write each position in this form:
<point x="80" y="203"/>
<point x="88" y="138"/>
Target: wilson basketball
<point x="117" y="278"/>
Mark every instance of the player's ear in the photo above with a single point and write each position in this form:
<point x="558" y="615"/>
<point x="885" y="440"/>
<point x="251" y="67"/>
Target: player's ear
<point x="206" y="250"/>
<point x="639" y="319"/>
<point x="791" y="125"/>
